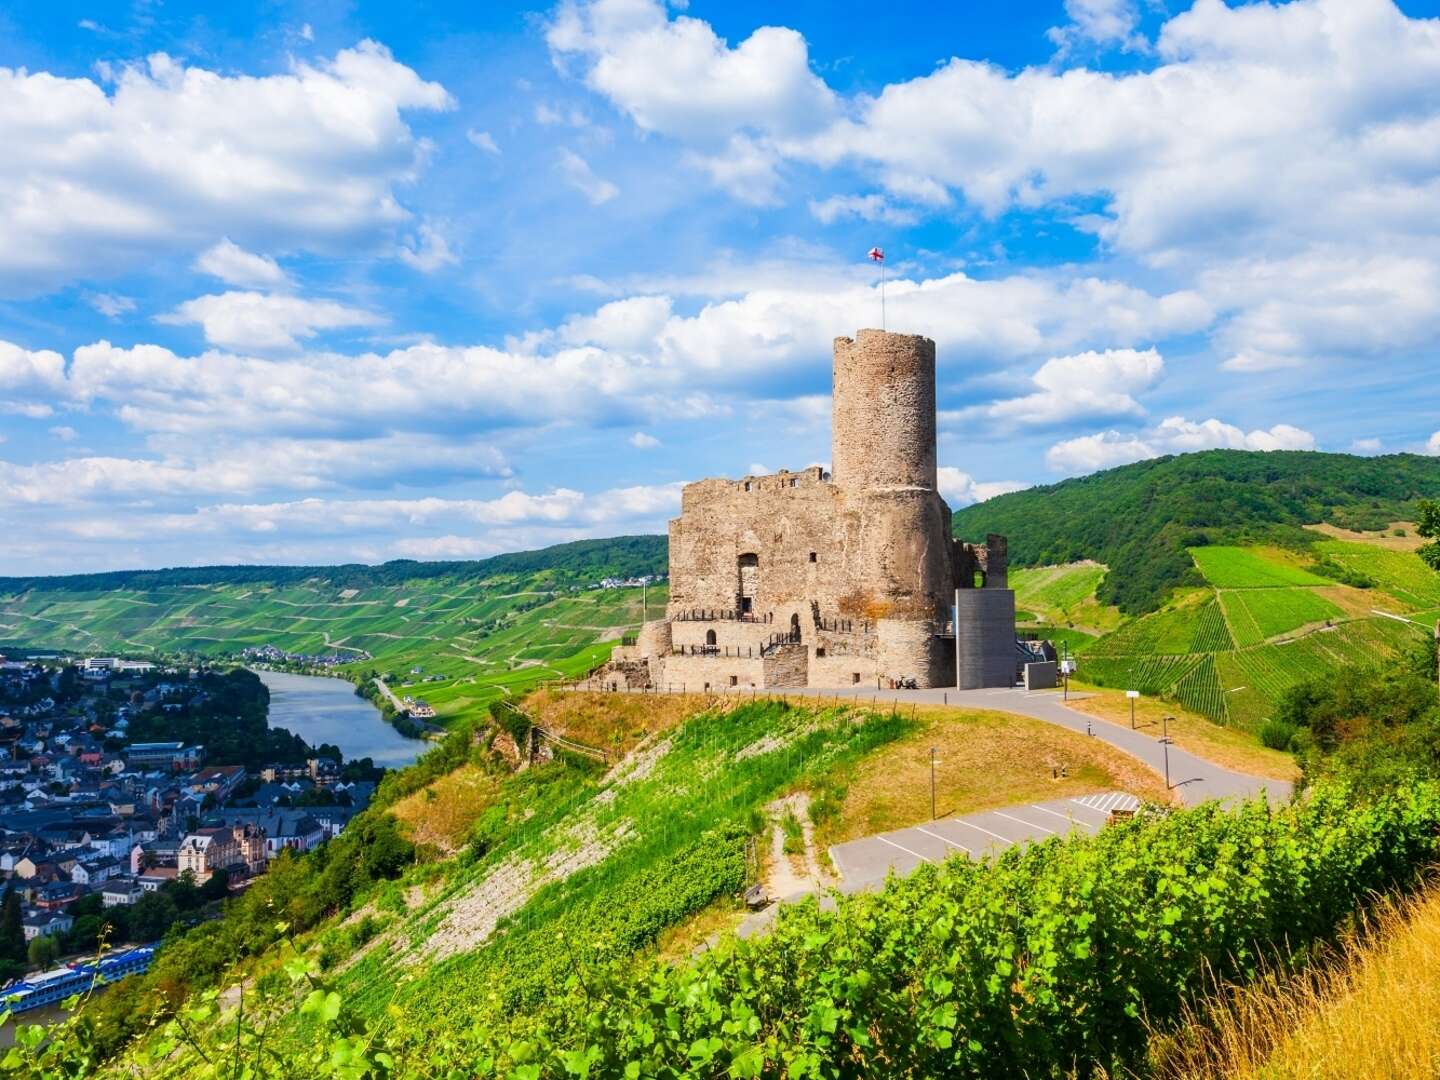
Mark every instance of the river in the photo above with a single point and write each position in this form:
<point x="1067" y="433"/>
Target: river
<point x="323" y="710"/>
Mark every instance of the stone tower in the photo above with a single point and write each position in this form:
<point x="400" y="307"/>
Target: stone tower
<point x="882" y="433"/>
<point x="845" y="578"/>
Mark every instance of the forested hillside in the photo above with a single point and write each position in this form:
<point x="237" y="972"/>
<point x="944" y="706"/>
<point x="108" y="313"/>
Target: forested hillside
<point x="1139" y="519"/>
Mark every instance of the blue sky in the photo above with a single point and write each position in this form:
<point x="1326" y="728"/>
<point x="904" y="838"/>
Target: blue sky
<point x="324" y="281"/>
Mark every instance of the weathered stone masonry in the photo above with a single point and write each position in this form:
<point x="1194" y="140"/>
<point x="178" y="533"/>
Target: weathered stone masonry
<point x="834" y="579"/>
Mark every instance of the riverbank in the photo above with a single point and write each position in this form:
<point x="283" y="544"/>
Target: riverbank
<point x="324" y="709"/>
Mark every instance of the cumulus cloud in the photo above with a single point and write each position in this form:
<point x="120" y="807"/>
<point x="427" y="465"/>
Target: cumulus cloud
<point x="1281" y="156"/>
<point x="110" y="305"/>
<point x="1089" y="385"/>
<point x="961" y="489"/>
<point x="102" y="178"/>
<point x="641" y="441"/>
<point x="1433" y="446"/>
<point x="1366" y="446"/>
<point x="582" y="178"/>
<point x="251" y="320"/>
<point x="1174" y="435"/>
<point x="234" y="265"/>
<point x="1098" y="22"/>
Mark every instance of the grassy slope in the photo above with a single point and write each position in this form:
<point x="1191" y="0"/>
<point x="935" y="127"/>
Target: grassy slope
<point x="1139" y="519"/>
<point x="1371" y="1009"/>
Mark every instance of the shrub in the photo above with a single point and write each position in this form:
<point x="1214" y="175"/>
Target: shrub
<point x="1277" y="735"/>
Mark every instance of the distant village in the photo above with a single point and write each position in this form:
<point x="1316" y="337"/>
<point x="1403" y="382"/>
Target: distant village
<point x="94" y="820"/>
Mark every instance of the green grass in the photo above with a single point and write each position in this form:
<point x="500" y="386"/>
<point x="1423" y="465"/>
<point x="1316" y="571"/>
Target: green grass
<point x="1248" y="568"/>
<point x="1399" y="573"/>
<point x="1256" y="615"/>
<point x="696" y="803"/>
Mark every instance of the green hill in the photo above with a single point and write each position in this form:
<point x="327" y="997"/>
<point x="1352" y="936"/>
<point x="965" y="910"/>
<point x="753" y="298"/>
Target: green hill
<point x="1139" y="520"/>
<point x="474" y="630"/>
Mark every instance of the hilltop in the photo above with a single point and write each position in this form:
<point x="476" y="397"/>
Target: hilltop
<point x="1139" y="520"/>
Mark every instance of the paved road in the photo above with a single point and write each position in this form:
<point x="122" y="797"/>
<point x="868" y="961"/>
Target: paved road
<point x="865" y="863"/>
<point x="1196" y="779"/>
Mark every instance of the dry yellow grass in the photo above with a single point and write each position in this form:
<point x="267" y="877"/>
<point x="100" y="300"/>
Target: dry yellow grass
<point x="986" y="759"/>
<point x="616" y="722"/>
<point x="1409" y="542"/>
<point x="441" y="813"/>
<point x="1227" y="746"/>
<point x="1372" y="1011"/>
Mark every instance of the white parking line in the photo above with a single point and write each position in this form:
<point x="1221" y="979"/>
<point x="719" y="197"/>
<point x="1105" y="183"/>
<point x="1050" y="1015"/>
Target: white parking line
<point x="946" y="839"/>
<point x="1022" y="821"/>
<point x="987" y="832"/>
<point x="1087" y="806"/>
<point x="903" y="848"/>
<point x="1052" y="813"/>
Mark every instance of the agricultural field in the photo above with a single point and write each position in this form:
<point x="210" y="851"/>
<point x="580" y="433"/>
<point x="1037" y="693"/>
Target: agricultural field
<point x="1063" y="597"/>
<point x="459" y="643"/>
<point x="1265" y="624"/>
<point x="1250" y="568"/>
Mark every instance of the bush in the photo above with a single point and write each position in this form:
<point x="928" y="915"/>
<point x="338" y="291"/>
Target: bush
<point x="1278" y="735"/>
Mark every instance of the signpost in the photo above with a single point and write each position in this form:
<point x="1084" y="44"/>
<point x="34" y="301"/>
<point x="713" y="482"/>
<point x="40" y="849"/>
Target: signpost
<point x="1132" y="695"/>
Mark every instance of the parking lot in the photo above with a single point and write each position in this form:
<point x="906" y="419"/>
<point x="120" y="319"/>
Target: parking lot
<point x="867" y="861"/>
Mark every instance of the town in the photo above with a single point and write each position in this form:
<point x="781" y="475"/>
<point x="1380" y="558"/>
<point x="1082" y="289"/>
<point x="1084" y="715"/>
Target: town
<point x="119" y="818"/>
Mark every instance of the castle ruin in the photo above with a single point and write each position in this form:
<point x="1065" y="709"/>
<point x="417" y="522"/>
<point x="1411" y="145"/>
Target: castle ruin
<point x="840" y="579"/>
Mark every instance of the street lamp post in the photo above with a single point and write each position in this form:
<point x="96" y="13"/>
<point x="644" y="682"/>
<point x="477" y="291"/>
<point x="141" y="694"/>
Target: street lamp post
<point x="932" y="783"/>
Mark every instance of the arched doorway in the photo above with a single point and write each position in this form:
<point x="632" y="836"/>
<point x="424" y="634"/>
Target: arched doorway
<point x="795" y="627"/>
<point x="749" y="583"/>
<point x="709" y="637"/>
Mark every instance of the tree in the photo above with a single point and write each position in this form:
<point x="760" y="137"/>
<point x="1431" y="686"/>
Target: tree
<point x="12" y="929"/>
<point x="44" y="951"/>
<point x="1427" y="524"/>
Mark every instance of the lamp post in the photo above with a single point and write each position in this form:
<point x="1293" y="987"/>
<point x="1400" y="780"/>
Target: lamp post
<point x="933" y="759"/>
<point x="1165" y="742"/>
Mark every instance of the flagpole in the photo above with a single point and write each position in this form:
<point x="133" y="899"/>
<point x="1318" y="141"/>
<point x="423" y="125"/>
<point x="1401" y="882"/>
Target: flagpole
<point x="882" y="296"/>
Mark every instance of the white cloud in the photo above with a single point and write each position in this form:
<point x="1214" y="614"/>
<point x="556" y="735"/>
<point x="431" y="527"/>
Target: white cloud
<point x="961" y="489"/>
<point x="109" y="304"/>
<point x="234" y="265"/>
<point x="642" y="441"/>
<point x="1099" y="22"/>
<point x="251" y="320"/>
<point x="582" y="178"/>
<point x="428" y="251"/>
<point x="1089" y="385"/>
<point x="1366" y="446"/>
<point x="864" y="207"/>
<point x="677" y="77"/>
<point x="1285" y="158"/>
<point x="1433" y="446"/>
<point x="1174" y="435"/>
<point x="482" y="140"/>
<point x="174" y="155"/>
<point x="64" y="433"/>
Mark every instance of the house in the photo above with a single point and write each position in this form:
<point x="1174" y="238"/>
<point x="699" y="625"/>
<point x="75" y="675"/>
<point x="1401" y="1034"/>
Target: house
<point x="96" y="871"/>
<point x="295" y="829"/>
<point x="218" y="781"/>
<point x="57" y="895"/>
<point x="175" y="756"/>
<point x="151" y="880"/>
<point x="121" y="891"/>
<point x="207" y="850"/>
<point x="46" y="924"/>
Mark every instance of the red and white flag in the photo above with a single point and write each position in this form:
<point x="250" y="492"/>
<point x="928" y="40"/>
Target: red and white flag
<point x="876" y="255"/>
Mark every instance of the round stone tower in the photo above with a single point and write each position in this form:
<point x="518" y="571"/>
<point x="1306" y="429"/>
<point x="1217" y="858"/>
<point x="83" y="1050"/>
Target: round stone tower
<point x="883" y="412"/>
